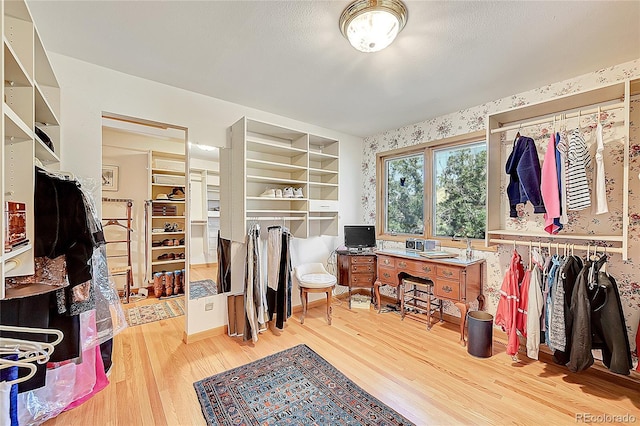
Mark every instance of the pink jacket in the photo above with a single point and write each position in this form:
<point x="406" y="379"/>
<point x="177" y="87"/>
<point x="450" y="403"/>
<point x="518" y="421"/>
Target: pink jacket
<point x="507" y="311"/>
<point x="549" y="187"/>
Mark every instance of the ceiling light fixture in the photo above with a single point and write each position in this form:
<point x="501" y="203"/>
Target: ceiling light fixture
<point x="372" y="25"/>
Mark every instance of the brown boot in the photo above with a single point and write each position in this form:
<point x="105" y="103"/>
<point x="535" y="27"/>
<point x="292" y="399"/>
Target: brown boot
<point x="168" y="286"/>
<point x="177" y="285"/>
<point x="158" y="286"/>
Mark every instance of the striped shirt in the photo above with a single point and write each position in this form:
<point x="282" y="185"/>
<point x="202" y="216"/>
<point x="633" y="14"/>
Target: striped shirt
<point x="578" y="194"/>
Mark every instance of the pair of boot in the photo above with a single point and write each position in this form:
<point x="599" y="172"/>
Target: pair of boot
<point x="167" y="283"/>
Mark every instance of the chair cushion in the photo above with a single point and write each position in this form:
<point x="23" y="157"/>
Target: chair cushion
<point x="317" y="280"/>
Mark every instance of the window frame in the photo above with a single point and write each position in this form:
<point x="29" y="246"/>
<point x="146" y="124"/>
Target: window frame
<point x="427" y="148"/>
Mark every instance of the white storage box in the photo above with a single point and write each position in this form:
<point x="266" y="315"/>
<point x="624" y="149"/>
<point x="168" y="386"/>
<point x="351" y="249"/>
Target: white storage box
<point x="168" y="179"/>
<point x="176" y="166"/>
<point x="323" y="205"/>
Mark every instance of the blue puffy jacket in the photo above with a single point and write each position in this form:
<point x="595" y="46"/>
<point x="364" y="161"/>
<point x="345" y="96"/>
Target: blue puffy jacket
<point x="523" y="168"/>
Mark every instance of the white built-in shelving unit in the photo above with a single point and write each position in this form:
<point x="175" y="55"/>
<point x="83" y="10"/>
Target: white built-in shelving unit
<point x="265" y="156"/>
<point x="31" y="97"/>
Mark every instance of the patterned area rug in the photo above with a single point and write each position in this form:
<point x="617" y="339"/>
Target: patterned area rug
<point x="156" y="312"/>
<point x="202" y="288"/>
<point x="293" y="387"/>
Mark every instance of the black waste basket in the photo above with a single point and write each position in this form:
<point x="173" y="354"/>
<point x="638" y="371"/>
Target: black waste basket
<point x="480" y="336"/>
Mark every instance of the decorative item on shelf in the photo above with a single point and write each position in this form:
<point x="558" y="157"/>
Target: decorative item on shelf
<point x="15" y="224"/>
<point x="164" y="210"/>
<point x="372" y="25"/>
<point x="44" y="138"/>
<point x="109" y="178"/>
<point x="414" y="244"/>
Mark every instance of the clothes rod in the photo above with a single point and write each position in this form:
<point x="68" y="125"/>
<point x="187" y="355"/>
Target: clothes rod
<point x="617" y="105"/>
<point x="117" y="200"/>
<point x="557" y="245"/>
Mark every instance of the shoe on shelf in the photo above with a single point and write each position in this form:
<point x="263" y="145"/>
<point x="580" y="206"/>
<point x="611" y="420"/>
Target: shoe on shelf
<point x="156" y="243"/>
<point x="177" y="193"/>
<point x="269" y="193"/>
<point x="278" y="193"/>
<point x="287" y="192"/>
<point x="162" y="197"/>
<point x="297" y="193"/>
<point x="168" y="227"/>
<point x="167" y="242"/>
<point x="167" y="256"/>
<point x="181" y="242"/>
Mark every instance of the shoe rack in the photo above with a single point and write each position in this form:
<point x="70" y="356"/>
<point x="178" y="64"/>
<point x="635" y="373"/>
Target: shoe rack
<point x="167" y="212"/>
<point x="31" y="97"/>
<point x="265" y="156"/>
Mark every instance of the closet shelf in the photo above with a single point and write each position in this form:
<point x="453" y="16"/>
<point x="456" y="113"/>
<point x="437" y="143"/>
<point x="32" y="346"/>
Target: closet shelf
<point x="267" y="147"/>
<point x="167" y="262"/>
<point x="15" y="72"/>
<point x="168" y="217"/>
<point x="323" y="217"/>
<point x="44" y="154"/>
<point x="323" y="184"/>
<point x="16" y="252"/>
<point x="43" y="109"/>
<point x="560" y="236"/>
<point x="276" y="199"/>
<point x="168" y="201"/>
<point x="273" y="165"/>
<point x="255" y="178"/>
<point x="299" y="212"/>
<point x="319" y="156"/>
<point x="167" y="185"/>
<point x="322" y="172"/>
<point x="168" y="171"/>
<point x="168" y="247"/>
<point x="15" y="127"/>
<point x="168" y="233"/>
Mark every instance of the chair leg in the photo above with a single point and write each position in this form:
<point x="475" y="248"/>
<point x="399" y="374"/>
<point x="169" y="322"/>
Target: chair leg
<point x="303" y="299"/>
<point x="329" y="306"/>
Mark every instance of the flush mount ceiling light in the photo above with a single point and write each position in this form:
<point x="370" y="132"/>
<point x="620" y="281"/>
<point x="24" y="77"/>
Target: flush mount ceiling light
<point x="372" y="25"/>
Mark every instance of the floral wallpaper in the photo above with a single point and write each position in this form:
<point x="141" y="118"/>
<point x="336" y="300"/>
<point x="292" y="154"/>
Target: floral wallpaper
<point x="626" y="273"/>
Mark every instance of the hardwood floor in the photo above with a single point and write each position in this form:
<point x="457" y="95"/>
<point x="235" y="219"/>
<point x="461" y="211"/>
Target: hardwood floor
<point x="425" y="376"/>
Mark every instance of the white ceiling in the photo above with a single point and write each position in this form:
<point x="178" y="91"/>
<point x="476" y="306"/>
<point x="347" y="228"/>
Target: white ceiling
<point x="289" y="58"/>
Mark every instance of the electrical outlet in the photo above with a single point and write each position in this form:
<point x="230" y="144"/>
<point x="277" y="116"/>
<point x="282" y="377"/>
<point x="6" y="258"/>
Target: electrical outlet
<point x="208" y="306"/>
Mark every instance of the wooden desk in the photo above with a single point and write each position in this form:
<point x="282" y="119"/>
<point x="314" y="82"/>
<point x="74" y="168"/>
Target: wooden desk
<point x="454" y="279"/>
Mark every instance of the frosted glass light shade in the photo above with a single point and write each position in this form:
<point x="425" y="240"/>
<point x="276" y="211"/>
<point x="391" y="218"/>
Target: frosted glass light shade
<point x="372" y="25"/>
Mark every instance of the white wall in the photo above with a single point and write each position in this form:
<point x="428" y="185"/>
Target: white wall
<point x="87" y="91"/>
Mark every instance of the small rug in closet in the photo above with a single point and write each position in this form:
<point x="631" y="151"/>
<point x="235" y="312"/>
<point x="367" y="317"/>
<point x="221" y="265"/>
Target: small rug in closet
<point x="202" y="288"/>
<point x="293" y="387"/>
<point x="158" y="311"/>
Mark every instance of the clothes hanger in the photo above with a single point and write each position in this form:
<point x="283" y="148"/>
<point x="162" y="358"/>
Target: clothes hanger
<point x="59" y="334"/>
<point x="26" y="348"/>
<point x="6" y="363"/>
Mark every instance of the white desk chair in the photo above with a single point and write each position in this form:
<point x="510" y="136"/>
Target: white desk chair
<point x="314" y="278"/>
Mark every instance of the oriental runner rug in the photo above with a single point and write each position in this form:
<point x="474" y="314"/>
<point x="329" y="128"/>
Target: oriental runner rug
<point x="158" y="311"/>
<point x="292" y="387"/>
<point x="202" y="288"/>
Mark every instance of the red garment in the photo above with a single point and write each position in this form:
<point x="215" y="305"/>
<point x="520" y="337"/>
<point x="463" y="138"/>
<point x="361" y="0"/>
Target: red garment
<point x="508" y="304"/>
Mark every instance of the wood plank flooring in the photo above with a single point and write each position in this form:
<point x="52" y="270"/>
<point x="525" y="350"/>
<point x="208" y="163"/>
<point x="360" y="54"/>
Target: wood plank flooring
<point x="424" y="375"/>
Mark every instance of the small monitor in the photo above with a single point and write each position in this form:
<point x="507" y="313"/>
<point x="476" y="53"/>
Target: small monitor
<point x="359" y="237"/>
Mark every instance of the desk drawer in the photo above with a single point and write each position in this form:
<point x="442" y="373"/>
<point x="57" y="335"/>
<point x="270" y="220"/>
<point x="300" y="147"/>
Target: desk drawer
<point x="359" y="260"/>
<point x="362" y="280"/>
<point x="386" y="261"/>
<point x="412" y="267"/>
<point x="361" y="268"/>
<point x="449" y="273"/>
<point x="447" y="289"/>
<point x="387" y="276"/>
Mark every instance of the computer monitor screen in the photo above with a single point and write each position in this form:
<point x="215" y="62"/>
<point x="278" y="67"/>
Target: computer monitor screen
<point x="359" y="236"/>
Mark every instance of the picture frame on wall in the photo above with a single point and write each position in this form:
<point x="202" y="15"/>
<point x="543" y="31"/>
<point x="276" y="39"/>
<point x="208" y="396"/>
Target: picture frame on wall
<point x="109" y="178"/>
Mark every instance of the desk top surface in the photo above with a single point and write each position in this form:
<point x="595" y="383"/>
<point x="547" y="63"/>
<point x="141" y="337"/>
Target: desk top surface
<point x="415" y="256"/>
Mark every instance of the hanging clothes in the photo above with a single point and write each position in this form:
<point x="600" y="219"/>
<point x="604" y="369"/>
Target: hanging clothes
<point x="550" y="189"/>
<point x="534" y="307"/>
<point x="609" y="329"/>
<point x="224" y="265"/>
<point x="279" y="299"/>
<point x="523" y="168"/>
<point x="508" y="304"/>
<point x="562" y="319"/>
<point x="252" y="287"/>
<point x="578" y="196"/>
<point x="561" y="162"/>
<point x="599" y="185"/>
<point x="254" y="297"/>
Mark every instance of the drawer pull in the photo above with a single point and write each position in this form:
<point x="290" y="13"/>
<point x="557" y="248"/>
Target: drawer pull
<point x="447" y="289"/>
<point x="447" y="273"/>
<point x="426" y="268"/>
<point x="402" y="264"/>
<point x="386" y="275"/>
<point x="386" y="261"/>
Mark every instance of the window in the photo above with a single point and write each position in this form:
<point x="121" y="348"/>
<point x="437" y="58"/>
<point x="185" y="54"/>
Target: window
<point x="460" y="191"/>
<point x="404" y="195"/>
<point x="434" y="190"/>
